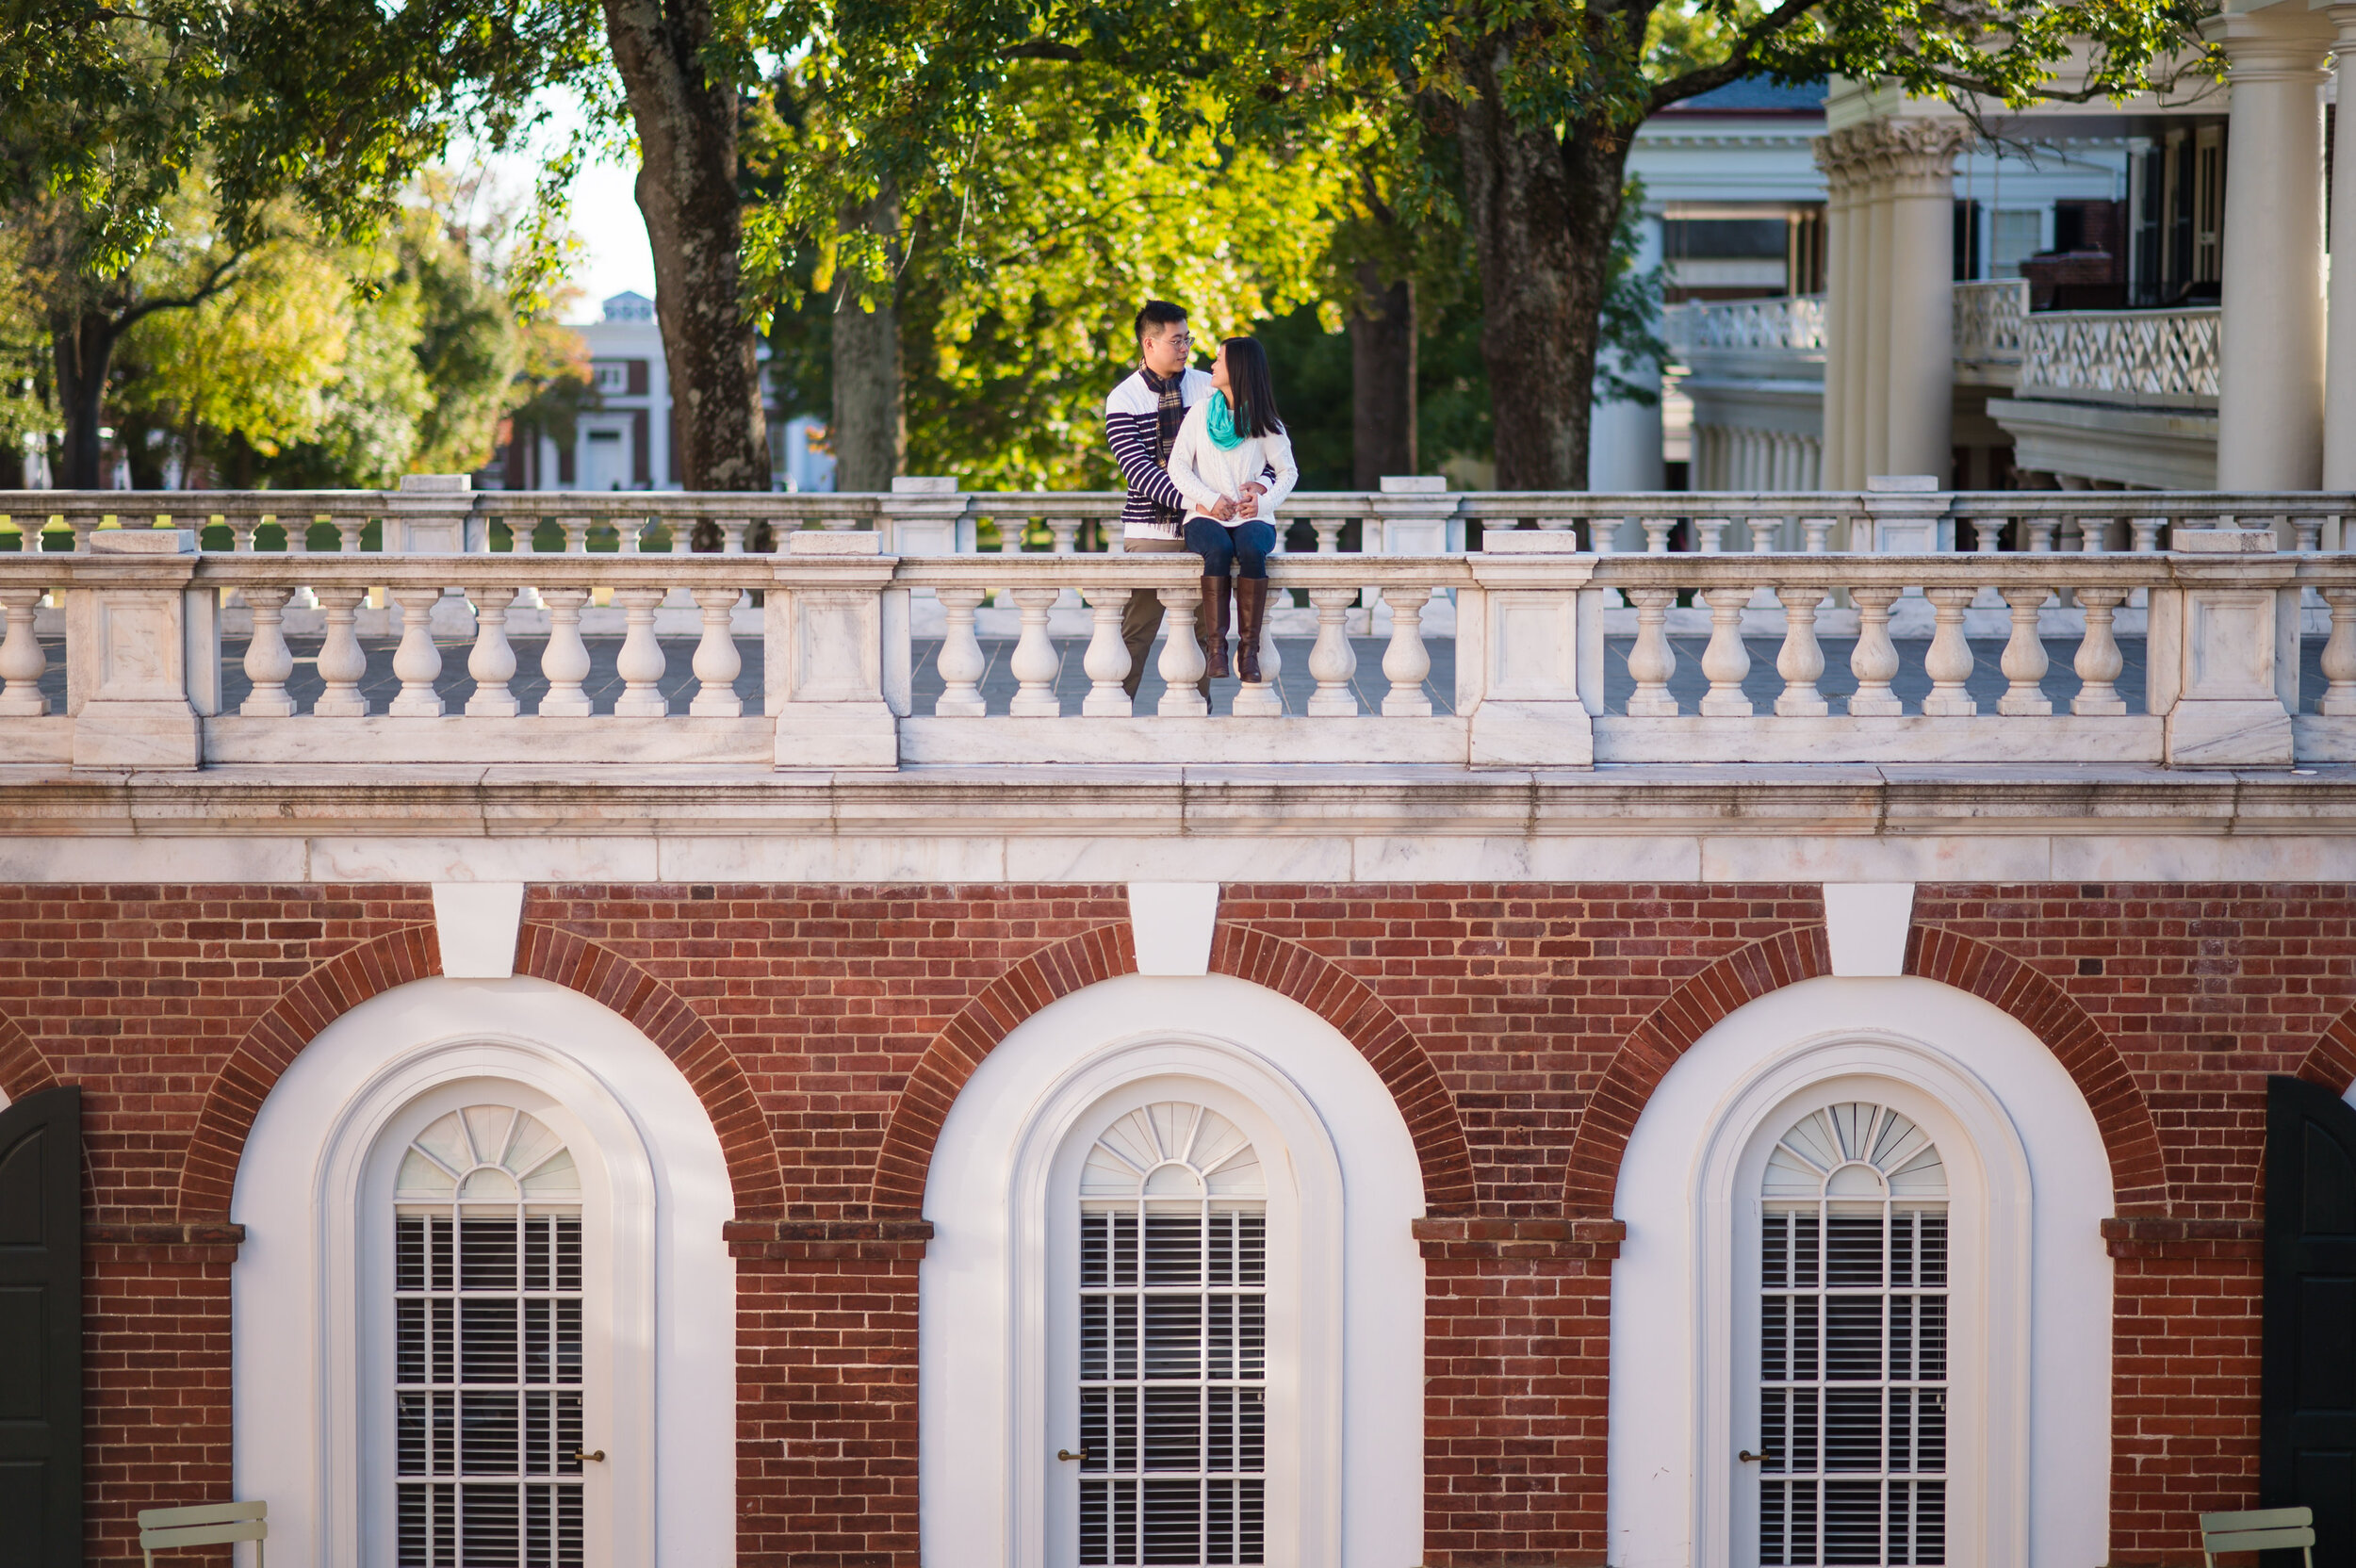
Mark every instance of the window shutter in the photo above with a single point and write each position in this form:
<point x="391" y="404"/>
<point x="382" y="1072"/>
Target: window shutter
<point x="641" y="456"/>
<point x="40" y="1330"/>
<point x="637" y="368"/>
<point x="2307" y="1378"/>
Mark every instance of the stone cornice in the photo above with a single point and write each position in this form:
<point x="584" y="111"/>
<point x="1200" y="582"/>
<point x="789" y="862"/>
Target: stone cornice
<point x="1330" y="824"/>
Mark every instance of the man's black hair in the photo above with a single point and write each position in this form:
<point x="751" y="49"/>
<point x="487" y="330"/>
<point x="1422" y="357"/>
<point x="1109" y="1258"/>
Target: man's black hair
<point x="1158" y="313"/>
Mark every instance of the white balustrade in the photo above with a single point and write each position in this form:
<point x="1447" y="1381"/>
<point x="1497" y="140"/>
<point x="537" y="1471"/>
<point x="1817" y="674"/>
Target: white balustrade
<point x="22" y="660"/>
<point x="492" y="660"/>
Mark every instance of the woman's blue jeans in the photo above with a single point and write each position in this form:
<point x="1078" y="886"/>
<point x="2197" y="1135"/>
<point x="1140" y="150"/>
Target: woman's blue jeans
<point x="1238" y="551"/>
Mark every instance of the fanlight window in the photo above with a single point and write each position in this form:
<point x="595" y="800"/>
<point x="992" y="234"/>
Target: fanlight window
<point x="487" y="1345"/>
<point x="1853" y="1343"/>
<point x="1173" y="1373"/>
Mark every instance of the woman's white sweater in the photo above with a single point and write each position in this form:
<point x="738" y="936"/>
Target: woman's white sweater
<point x="1206" y="475"/>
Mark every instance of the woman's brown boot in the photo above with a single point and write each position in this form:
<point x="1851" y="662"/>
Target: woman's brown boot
<point x="1212" y="618"/>
<point x="1251" y="611"/>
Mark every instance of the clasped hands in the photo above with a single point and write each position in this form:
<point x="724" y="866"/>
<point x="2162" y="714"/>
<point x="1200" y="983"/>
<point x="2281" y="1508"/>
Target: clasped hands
<point x="1246" y="509"/>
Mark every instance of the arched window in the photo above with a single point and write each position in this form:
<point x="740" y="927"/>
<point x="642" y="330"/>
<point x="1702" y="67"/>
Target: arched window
<point x="1172" y="1383"/>
<point x="1852" y="1343"/>
<point x="487" y="1287"/>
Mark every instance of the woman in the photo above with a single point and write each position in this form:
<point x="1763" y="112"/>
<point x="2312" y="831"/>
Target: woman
<point x="1234" y="463"/>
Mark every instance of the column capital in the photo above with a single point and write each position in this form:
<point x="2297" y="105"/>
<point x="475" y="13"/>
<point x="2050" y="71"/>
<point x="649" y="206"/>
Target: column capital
<point x="2342" y="15"/>
<point x="1903" y="157"/>
<point x="2282" y="43"/>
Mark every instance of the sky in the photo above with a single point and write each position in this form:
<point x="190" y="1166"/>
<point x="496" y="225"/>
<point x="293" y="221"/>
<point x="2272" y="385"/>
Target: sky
<point x="615" y="253"/>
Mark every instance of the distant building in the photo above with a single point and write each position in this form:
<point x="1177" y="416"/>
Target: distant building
<point x="629" y="440"/>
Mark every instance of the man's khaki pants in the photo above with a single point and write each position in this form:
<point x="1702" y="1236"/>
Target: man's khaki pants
<point x="1142" y="617"/>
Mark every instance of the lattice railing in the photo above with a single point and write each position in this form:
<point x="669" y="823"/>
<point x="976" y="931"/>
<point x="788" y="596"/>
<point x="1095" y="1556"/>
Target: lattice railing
<point x="2154" y="358"/>
<point x="1989" y="318"/>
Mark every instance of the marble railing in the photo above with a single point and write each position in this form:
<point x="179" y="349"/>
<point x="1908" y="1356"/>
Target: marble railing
<point x="1794" y="322"/>
<point x="1989" y="318"/>
<point x="177" y="659"/>
<point x="929" y="516"/>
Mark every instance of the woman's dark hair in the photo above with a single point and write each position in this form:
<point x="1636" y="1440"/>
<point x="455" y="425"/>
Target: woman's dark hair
<point x="1255" y="393"/>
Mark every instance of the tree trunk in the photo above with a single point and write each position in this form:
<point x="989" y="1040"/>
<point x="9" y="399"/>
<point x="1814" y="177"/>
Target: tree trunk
<point x="83" y="345"/>
<point x="687" y="189"/>
<point x="869" y="427"/>
<point x="1543" y="208"/>
<point x="1381" y="379"/>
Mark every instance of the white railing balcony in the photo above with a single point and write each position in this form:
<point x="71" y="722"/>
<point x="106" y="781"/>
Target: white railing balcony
<point x="2168" y="637"/>
<point x="1989" y="318"/>
<point x="1776" y="339"/>
<point x="2133" y="358"/>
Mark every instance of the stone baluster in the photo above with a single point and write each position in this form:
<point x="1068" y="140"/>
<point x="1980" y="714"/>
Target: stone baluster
<point x="1657" y="535"/>
<point x="22" y="660"/>
<point x="576" y="535"/>
<point x="717" y="664"/>
<point x="1817" y="531"/>
<point x="1726" y="660"/>
<point x="630" y="536"/>
<point x="2099" y="663"/>
<point x="1332" y="663"/>
<point x="2147" y="533"/>
<point x="1062" y="534"/>
<point x="343" y="664"/>
<point x="1709" y="535"/>
<point x="1328" y="533"/>
<point x="1603" y="534"/>
<point x="242" y="528"/>
<point x="1874" y="659"/>
<point x="1182" y="662"/>
<point x="1106" y="660"/>
<point x="564" y="658"/>
<point x="82" y="525"/>
<point x="268" y="660"/>
<point x="298" y="535"/>
<point x="2040" y="534"/>
<point x="732" y="531"/>
<point x="2025" y="661"/>
<point x="2339" y="655"/>
<point x="417" y="661"/>
<point x="961" y="659"/>
<point x="1652" y="661"/>
<point x="1988" y="535"/>
<point x="1766" y="535"/>
<point x="1406" y="661"/>
<point x="2094" y="535"/>
<point x="492" y="660"/>
<point x="1948" y="660"/>
<point x="1801" y="661"/>
<point x="1033" y="662"/>
<point x="347" y="531"/>
<point x="640" y="663"/>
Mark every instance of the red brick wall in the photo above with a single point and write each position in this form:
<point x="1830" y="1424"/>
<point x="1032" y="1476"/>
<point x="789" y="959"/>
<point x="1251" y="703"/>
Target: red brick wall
<point x="1501" y="1016"/>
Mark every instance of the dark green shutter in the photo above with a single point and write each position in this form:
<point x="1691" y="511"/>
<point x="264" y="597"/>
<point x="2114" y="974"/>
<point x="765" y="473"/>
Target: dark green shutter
<point x="40" y="1330"/>
<point x="2307" y="1403"/>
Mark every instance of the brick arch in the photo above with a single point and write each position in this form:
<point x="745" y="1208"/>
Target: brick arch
<point x="2330" y="1062"/>
<point x="23" y="1068"/>
<point x="1281" y="966"/>
<point x="2138" y="1168"/>
<point x="209" y="1175"/>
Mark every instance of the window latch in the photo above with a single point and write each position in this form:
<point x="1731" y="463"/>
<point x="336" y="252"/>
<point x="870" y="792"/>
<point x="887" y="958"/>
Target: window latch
<point x="586" y="1457"/>
<point x="1749" y="1458"/>
<point x="1066" y="1453"/>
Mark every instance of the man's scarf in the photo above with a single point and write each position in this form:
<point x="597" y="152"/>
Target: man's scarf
<point x="1170" y="412"/>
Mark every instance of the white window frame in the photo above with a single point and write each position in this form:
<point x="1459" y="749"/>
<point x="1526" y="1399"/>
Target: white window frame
<point x="2011" y="1112"/>
<point x="617" y="1319"/>
<point x="1983" y="1276"/>
<point x="993" y="1408"/>
<point x="1303" y="1266"/>
<point x="300" y="1291"/>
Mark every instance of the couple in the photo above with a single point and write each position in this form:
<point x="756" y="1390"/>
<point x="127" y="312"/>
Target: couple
<point x="1207" y="463"/>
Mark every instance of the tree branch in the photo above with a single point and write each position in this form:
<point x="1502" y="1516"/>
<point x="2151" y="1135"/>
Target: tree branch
<point x="1736" y="64"/>
<point x="215" y="281"/>
<point x="1071" y="54"/>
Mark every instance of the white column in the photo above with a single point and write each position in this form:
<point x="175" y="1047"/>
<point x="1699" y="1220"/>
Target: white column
<point x="2339" y="377"/>
<point x="1824" y="150"/>
<point x="1920" y="339"/>
<point x="1855" y="318"/>
<point x="1874" y="341"/>
<point x="2269" y="432"/>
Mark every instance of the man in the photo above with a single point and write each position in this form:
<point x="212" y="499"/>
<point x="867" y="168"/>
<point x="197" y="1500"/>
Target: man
<point x="1141" y="420"/>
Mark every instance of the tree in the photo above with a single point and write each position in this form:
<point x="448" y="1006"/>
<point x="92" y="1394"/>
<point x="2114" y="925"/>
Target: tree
<point x="329" y="105"/>
<point x="1537" y="99"/>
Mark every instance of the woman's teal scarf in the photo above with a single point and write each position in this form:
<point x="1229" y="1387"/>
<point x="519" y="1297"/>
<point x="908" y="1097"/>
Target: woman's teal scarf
<point x="1221" y="423"/>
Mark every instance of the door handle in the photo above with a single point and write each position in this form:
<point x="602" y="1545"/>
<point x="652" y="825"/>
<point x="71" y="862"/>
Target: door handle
<point x="1066" y="1453"/>
<point x="1749" y="1458"/>
<point x="582" y="1457"/>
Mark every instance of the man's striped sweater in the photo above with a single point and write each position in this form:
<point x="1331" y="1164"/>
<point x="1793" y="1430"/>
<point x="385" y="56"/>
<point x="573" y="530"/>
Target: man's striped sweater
<point x="1155" y="509"/>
